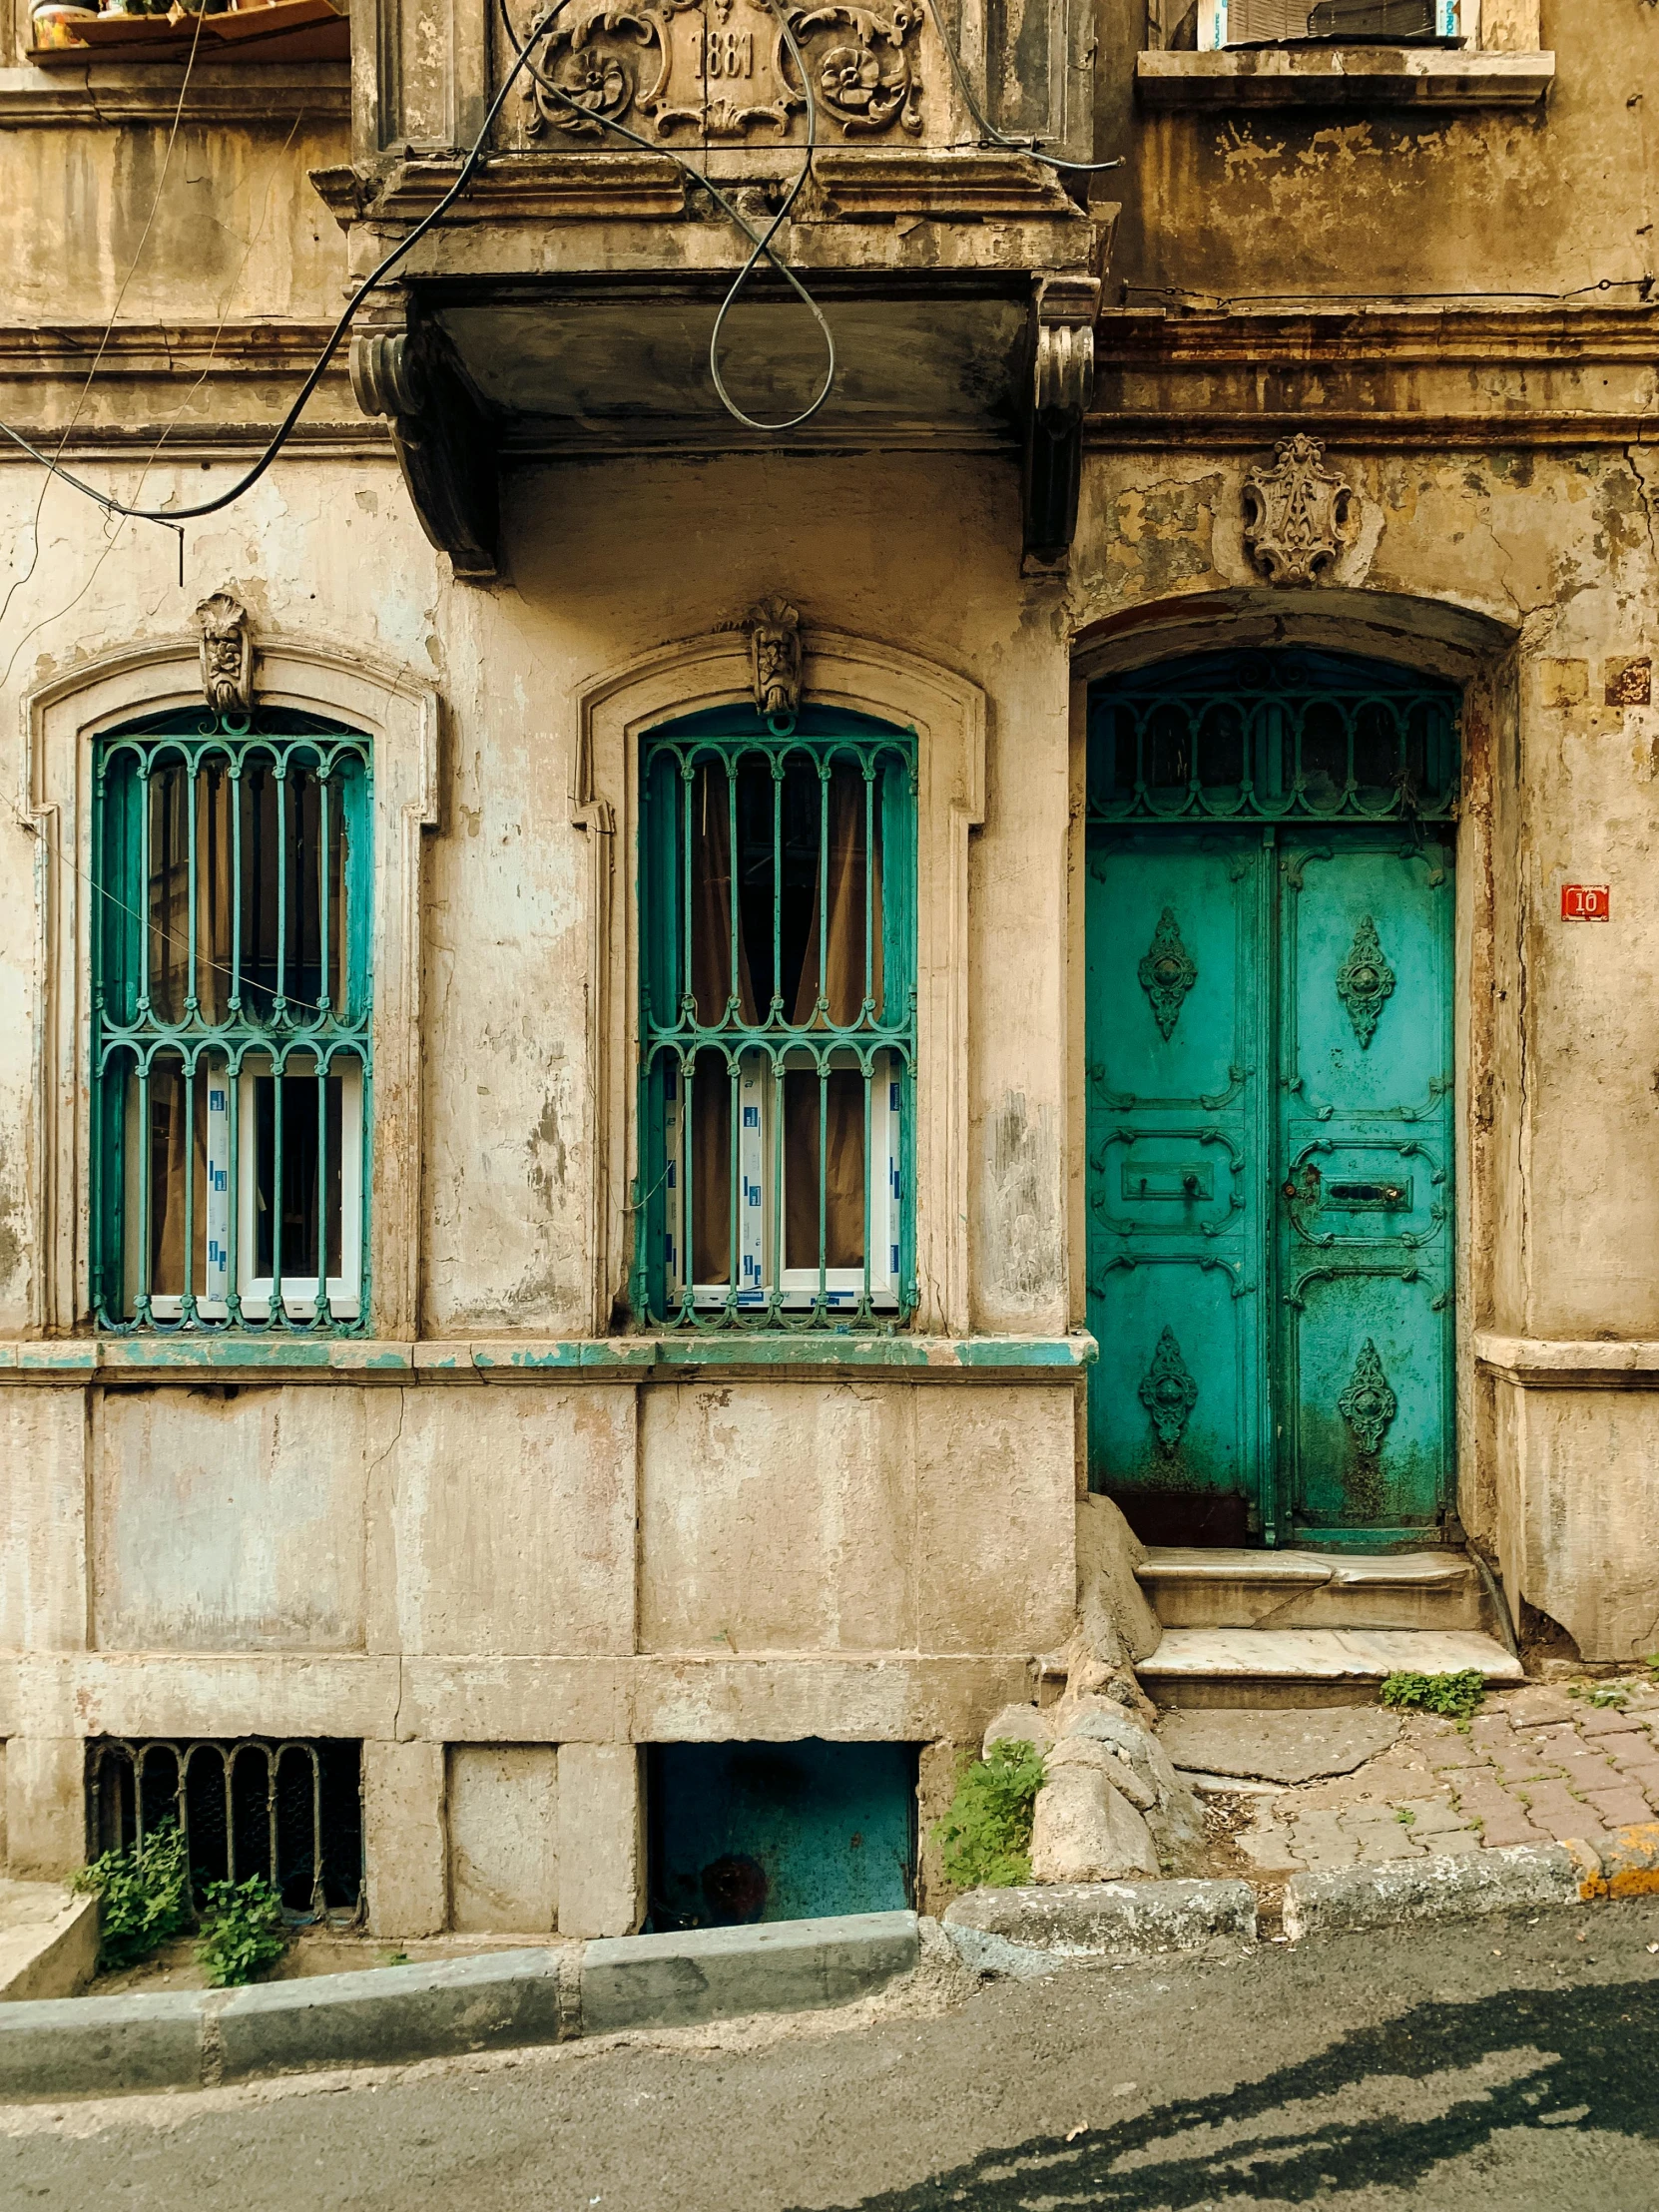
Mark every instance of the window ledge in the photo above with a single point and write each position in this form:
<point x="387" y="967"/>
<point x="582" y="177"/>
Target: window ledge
<point x="542" y="1358"/>
<point x="79" y="91"/>
<point x="1569" y="1363"/>
<point x="1342" y="76"/>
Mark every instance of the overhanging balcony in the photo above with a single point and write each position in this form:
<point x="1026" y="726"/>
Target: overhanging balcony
<point x="568" y="302"/>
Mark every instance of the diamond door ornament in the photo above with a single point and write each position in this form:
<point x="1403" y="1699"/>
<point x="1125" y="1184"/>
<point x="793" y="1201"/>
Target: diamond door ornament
<point x="1365" y="981"/>
<point x="1368" y="1404"/>
<point x="1167" y="974"/>
<point x="1169" y="1393"/>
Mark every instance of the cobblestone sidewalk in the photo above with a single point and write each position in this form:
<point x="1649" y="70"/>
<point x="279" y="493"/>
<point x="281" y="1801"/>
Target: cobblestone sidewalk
<point x="1534" y="1765"/>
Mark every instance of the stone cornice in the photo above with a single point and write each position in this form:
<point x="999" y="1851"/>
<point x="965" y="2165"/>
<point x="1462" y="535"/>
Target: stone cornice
<point x="1404" y="334"/>
<point x="113" y="95"/>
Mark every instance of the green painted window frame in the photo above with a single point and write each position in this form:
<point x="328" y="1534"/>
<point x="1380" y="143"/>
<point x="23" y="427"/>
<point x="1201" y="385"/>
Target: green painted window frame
<point x="249" y="1027"/>
<point x="880" y="1042"/>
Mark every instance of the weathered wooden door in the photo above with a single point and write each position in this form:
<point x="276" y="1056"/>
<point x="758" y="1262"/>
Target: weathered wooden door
<point x="1269" y="1137"/>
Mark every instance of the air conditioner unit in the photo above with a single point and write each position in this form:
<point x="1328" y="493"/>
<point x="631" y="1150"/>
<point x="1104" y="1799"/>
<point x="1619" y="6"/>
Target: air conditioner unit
<point x="1389" y="19"/>
<point x="1272" y="22"/>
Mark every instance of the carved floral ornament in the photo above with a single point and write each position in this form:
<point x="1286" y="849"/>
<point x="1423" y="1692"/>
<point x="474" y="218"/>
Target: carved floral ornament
<point x="723" y="68"/>
<point x="1295" y="513"/>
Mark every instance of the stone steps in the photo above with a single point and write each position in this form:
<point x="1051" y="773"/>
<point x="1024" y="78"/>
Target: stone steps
<point x="1253" y="1668"/>
<point x="1219" y="1588"/>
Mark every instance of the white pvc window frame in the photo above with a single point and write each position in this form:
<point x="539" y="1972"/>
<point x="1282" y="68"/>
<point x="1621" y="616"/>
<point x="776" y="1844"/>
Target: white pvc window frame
<point x="300" y="1291"/>
<point x="759" y="1102"/>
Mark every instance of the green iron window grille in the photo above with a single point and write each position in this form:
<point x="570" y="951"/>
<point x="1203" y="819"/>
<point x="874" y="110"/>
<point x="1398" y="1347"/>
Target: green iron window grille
<point x="776" y="1023"/>
<point x="1285" y="736"/>
<point x="230" y="1025"/>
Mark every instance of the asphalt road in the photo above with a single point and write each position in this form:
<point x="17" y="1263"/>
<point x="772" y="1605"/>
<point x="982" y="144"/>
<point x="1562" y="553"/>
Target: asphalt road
<point x="1493" y="2064"/>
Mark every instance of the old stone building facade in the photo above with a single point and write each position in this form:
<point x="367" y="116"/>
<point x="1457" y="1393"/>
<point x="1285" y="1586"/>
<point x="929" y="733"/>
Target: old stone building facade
<point x="604" y="1004"/>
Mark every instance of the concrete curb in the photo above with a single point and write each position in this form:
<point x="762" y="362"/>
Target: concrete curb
<point x="1036" y="1929"/>
<point x="1520" y="1875"/>
<point x="1344" y="1899"/>
<point x="107" y="2046"/>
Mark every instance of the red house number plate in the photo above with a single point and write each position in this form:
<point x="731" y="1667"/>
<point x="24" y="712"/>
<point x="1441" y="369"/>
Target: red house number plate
<point x="1585" y="902"/>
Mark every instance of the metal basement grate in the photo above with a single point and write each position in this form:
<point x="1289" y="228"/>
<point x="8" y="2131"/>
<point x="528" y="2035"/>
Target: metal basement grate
<point x="291" y="1812"/>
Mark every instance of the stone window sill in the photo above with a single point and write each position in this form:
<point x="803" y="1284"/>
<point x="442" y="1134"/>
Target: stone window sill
<point x="666" y="1357"/>
<point x="1342" y="77"/>
<point x="1569" y="1363"/>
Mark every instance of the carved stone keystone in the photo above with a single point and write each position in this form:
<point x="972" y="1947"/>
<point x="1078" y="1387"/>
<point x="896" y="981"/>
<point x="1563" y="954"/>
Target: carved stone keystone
<point x="1294" y="512"/>
<point x="774" y="648"/>
<point x="226" y="654"/>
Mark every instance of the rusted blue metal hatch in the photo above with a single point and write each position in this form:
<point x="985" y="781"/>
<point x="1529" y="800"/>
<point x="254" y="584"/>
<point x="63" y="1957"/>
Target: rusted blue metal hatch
<point x="779" y="1832"/>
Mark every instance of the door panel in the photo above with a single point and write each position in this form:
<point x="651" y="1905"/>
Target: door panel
<point x="1177" y="993"/>
<point x="1270" y="1195"/>
<point x="1365" y="1215"/>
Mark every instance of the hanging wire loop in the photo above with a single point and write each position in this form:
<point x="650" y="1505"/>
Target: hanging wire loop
<point x="762" y="247"/>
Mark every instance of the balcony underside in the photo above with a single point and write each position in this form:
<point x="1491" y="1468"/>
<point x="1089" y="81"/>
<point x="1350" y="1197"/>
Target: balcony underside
<point x="601" y="364"/>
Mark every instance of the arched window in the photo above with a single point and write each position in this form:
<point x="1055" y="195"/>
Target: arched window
<point x="777" y="1008"/>
<point x="231" y="1023"/>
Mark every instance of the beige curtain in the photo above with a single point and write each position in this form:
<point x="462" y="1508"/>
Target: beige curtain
<point x="838" y="947"/>
<point x="842" y="959"/>
<point x="168" y="890"/>
<point x="214" y="882"/>
<point x="172" y="1127"/>
<point x="712" y="906"/>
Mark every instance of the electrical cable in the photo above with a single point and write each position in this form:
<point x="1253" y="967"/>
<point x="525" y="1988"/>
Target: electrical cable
<point x="761" y="249"/>
<point x="109" y="327"/>
<point x="1000" y="137"/>
<point x="760" y="244"/>
<point x="173" y="516"/>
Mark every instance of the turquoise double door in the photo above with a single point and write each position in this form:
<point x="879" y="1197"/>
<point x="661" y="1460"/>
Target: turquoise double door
<point x="1271" y="1211"/>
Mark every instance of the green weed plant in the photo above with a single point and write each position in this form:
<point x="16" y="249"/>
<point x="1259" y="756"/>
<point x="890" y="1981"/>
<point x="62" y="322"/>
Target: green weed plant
<point x="243" y="1931"/>
<point x="985" y="1837"/>
<point x="1453" y="1696"/>
<point x="142" y="1897"/>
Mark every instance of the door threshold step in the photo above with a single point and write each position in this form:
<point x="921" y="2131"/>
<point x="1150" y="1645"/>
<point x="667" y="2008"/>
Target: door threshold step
<point x="1386" y="1570"/>
<point x="1427" y="1592"/>
<point x="1309" y="1666"/>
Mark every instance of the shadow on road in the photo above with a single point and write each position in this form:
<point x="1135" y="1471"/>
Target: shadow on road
<point x="1380" y="2108"/>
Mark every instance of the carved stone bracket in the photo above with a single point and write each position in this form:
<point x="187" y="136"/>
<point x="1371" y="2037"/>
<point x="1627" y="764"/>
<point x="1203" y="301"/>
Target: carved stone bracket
<point x="445" y="446"/>
<point x="1062" y="385"/>
<point x="1294" y="512"/>
<point x="226" y="654"/>
<point x="680" y="68"/>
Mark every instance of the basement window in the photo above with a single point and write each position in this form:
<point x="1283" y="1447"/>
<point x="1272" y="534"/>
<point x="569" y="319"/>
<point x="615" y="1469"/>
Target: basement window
<point x="746" y="1832"/>
<point x="777" y="1021"/>
<point x="230" y="1025"/>
<point x="288" y="1810"/>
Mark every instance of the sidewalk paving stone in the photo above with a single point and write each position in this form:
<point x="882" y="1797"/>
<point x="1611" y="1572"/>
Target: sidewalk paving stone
<point x="1620" y="1808"/>
<point x="1377" y="1839"/>
<point x="1602" y="1720"/>
<point x="1537" y="1766"/>
<point x="1633" y="1746"/>
<point x="1432" y="1816"/>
